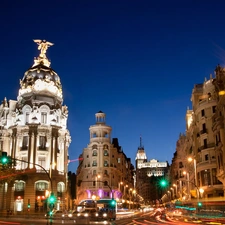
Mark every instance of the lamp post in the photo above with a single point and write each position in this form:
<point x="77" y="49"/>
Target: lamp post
<point x="190" y="159"/>
<point x="96" y="183"/>
<point x="120" y="183"/>
<point x="124" y="191"/>
<point x="175" y="189"/>
<point x="188" y="183"/>
<point x="130" y="195"/>
<point x="172" y="192"/>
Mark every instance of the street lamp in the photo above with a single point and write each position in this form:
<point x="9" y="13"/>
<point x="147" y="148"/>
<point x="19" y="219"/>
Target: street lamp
<point x="96" y="182"/>
<point x="190" y="159"/>
<point x="172" y="192"/>
<point x="188" y="183"/>
<point x="176" y="189"/>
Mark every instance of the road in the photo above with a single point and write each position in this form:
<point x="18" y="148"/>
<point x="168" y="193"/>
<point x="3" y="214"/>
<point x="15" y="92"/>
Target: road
<point x="139" y="218"/>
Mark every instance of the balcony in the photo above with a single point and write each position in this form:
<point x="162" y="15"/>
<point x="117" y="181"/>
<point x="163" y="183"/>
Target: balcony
<point x="212" y="145"/>
<point x="204" y="131"/>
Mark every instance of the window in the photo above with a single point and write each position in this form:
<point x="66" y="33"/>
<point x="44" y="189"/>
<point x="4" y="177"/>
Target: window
<point x="42" y="162"/>
<point x="94" y="153"/>
<point x="42" y="142"/>
<point x="105" y="172"/>
<point x="106" y="153"/>
<point x="181" y="165"/>
<point x="119" y="160"/>
<point x="27" y="117"/>
<point x="106" y="163"/>
<point x="94" y="163"/>
<point x="205" y="177"/>
<point x="105" y="183"/>
<point x="214" y="109"/>
<point x="203" y="112"/>
<point x="19" y="186"/>
<point x="204" y="127"/>
<point x="44" y="117"/>
<point x="1" y="145"/>
<point x="94" y="147"/>
<point x="94" y="172"/>
<point x="206" y="157"/>
<point x="60" y="187"/>
<point x="24" y="164"/>
<point x="205" y="143"/>
<point x="41" y="186"/>
<point x="25" y="142"/>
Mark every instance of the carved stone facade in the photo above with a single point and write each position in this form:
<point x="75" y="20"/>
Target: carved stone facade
<point x="34" y="133"/>
<point x="104" y="171"/>
<point x="203" y="143"/>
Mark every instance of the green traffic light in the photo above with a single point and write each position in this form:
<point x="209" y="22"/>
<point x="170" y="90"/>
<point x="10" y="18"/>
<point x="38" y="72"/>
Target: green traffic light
<point x="52" y="198"/>
<point x="28" y="206"/>
<point x="199" y="204"/>
<point x="163" y="183"/>
<point x="113" y="202"/>
<point x="4" y="160"/>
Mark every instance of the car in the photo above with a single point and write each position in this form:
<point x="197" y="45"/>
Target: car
<point x="91" y="213"/>
<point x="72" y="214"/>
<point x="56" y="214"/>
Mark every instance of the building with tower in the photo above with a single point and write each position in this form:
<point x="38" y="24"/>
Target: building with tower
<point x="148" y="174"/>
<point x="34" y="133"/>
<point x="104" y="171"/>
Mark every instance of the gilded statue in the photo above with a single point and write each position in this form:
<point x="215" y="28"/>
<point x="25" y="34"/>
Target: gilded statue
<point x="43" y="46"/>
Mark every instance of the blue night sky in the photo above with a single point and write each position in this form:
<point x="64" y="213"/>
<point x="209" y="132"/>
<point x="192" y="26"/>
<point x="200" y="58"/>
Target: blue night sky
<point x="137" y="61"/>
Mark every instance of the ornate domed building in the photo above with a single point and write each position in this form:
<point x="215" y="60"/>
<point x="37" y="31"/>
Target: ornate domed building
<point x="34" y="133"/>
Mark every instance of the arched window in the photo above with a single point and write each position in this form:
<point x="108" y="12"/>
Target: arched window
<point x="94" y="163"/>
<point x="94" y="147"/>
<point x="94" y="153"/>
<point x="106" y="163"/>
<point x="106" y="153"/>
<point x="19" y="186"/>
<point x="41" y="186"/>
<point x="105" y="147"/>
<point x="60" y="187"/>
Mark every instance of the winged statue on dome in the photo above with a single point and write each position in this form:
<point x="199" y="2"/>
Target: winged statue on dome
<point x="43" y="45"/>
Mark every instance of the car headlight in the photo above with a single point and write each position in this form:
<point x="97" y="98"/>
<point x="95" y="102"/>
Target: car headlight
<point x="96" y="214"/>
<point x="86" y="214"/>
<point x="69" y="215"/>
<point x="104" y="214"/>
<point x="78" y="214"/>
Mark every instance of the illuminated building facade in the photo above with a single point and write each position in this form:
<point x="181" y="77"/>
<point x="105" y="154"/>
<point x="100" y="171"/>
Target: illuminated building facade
<point x="200" y="144"/>
<point x="34" y="132"/>
<point x="148" y="174"/>
<point x="104" y="171"/>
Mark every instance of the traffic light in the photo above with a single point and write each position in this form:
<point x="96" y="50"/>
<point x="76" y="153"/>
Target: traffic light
<point x="4" y="158"/>
<point x="52" y="198"/>
<point x="113" y="202"/>
<point x="199" y="204"/>
<point x="163" y="183"/>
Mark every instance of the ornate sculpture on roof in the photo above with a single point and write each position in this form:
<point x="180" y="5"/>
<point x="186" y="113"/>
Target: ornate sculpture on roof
<point x="43" y="45"/>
